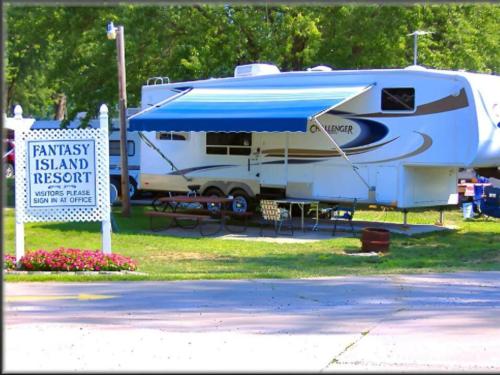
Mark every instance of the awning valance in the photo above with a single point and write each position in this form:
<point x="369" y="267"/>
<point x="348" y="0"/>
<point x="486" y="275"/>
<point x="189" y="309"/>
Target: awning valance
<point x="238" y="109"/>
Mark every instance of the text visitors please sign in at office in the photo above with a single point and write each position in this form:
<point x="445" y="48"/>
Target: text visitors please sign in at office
<point x="61" y="173"/>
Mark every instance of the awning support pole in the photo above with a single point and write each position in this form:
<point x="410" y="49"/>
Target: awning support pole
<point x="342" y="153"/>
<point x="159" y="104"/>
<point x="286" y="158"/>
<point x="150" y="144"/>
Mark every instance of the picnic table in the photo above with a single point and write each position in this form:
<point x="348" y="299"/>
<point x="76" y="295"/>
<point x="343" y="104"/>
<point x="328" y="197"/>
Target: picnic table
<point x="196" y="199"/>
<point x="301" y="203"/>
<point x="197" y="210"/>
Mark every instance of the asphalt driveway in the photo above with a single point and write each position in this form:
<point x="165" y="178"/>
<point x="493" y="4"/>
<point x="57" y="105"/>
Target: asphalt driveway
<point x="438" y="322"/>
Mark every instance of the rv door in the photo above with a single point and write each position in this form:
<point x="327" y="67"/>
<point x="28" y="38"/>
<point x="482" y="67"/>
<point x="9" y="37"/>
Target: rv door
<point x="272" y="157"/>
<point x="254" y="158"/>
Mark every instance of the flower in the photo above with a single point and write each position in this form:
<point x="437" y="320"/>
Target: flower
<point x="67" y="259"/>
<point x="9" y="262"/>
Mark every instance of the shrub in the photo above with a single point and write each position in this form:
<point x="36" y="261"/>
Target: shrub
<point x="9" y="262"/>
<point x="63" y="259"/>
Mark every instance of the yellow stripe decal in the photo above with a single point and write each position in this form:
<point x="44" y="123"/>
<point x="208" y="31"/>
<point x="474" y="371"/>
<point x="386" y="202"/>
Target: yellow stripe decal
<point x="80" y="297"/>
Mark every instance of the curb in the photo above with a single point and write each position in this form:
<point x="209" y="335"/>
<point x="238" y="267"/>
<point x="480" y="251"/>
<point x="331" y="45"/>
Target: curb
<point x="85" y="273"/>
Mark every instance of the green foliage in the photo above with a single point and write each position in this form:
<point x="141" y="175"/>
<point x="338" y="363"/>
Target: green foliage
<point x="64" y="49"/>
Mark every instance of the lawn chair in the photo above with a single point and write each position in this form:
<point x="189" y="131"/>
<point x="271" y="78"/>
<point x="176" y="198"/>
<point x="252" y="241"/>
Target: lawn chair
<point x="323" y="212"/>
<point x="271" y="213"/>
<point x="343" y="213"/>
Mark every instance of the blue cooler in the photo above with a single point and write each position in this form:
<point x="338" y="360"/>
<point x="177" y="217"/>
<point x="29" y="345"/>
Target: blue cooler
<point x="490" y="202"/>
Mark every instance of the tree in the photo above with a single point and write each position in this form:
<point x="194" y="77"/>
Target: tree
<point x="56" y="52"/>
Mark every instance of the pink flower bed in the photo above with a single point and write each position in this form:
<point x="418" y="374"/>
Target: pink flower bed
<point x="63" y="259"/>
<point x="9" y="262"/>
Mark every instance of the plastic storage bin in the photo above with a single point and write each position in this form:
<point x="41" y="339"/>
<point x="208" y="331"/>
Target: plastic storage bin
<point x="468" y="210"/>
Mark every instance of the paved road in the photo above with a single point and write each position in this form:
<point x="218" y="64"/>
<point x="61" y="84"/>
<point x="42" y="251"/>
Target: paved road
<point x="441" y="322"/>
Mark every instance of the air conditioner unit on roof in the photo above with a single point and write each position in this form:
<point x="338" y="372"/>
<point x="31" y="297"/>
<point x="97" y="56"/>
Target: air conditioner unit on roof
<point x="255" y="70"/>
<point x="320" y="68"/>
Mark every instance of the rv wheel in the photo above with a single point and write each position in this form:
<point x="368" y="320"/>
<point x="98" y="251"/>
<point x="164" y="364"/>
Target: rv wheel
<point x="213" y="192"/>
<point x="116" y="183"/>
<point x="132" y="188"/>
<point x="241" y="201"/>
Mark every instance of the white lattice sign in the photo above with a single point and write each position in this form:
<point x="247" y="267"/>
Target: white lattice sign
<point x="66" y="175"/>
<point x="63" y="175"/>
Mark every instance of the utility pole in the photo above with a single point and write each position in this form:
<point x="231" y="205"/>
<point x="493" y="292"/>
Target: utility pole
<point x="415" y="36"/>
<point x="118" y="33"/>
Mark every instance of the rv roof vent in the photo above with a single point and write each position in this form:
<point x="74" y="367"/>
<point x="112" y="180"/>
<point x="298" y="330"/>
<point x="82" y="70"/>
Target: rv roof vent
<point x="320" y="68"/>
<point x="255" y="70"/>
<point x="157" y="80"/>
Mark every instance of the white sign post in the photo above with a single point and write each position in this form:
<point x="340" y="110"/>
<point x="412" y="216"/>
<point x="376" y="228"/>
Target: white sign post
<point x="66" y="177"/>
<point x="106" y="221"/>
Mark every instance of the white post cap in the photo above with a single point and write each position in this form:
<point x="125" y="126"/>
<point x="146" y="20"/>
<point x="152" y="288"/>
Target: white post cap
<point x="103" y="116"/>
<point x="103" y="109"/>
<point x="18" y="111"/>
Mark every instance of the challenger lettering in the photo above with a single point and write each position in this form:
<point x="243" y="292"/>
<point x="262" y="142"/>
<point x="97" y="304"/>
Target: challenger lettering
<point x="333" y="129"/>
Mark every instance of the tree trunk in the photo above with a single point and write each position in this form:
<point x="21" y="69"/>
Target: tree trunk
<point x="60" y="107"/>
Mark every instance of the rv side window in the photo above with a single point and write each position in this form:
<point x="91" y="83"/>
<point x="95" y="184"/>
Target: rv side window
<point x="229" y="139"/>
<point x="239" y="150"/>
<point x="229" y="143"/>
<point x="217" y="150"/>
<point x="171" y="136"/>
<point x="398" y="99"/>
<point x="114" y="148"/>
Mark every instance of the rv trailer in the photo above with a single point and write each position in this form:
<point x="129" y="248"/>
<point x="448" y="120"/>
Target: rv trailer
<point x="393" y="137"/>
<point x="133" y="157"/>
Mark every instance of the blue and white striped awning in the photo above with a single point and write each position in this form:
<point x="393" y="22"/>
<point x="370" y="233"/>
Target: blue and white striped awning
<point x="237" y="109"/>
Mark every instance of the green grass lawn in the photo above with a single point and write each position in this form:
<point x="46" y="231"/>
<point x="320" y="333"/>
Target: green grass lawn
<point x="475" y="245"/>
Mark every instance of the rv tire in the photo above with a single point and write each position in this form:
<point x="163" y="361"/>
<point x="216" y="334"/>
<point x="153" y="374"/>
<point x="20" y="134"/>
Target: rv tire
<point x="211" y="192"/>
<point x="132" y="186"/>
<point x="115" y="181"/>
<point x="241" y="201"/>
